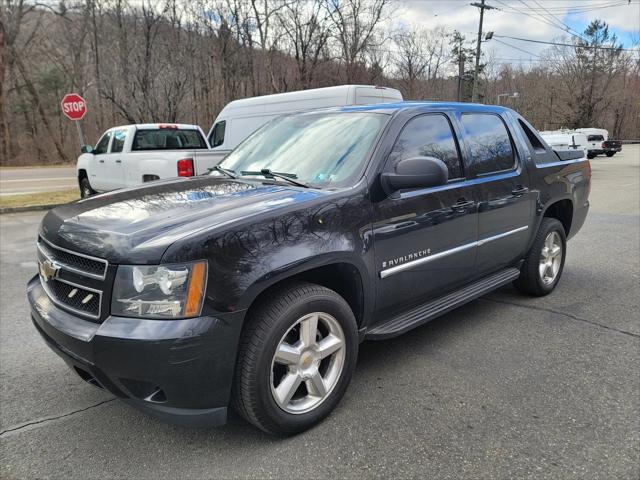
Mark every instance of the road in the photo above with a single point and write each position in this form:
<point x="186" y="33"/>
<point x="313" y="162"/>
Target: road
<point x="36" y="179"/>
<point x="506" y="387"/>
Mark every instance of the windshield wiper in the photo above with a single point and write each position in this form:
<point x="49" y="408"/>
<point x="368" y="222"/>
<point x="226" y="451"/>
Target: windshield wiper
<point x="227" y="172"/>
<point x="268" y="173"/>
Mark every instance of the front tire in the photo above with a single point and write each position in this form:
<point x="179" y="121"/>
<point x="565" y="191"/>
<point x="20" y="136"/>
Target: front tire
<point x="610" y="154"/>
<point x="544" y="263"/>
<point x="85" y="188"/>
<point x="296" y="358"/>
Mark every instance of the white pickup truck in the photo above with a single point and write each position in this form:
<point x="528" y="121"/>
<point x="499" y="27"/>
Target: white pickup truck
<point x="129" y="155"/>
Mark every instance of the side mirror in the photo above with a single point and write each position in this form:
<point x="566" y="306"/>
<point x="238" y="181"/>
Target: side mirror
<point x="416" y="172"/>
<point x="86" y="149"/>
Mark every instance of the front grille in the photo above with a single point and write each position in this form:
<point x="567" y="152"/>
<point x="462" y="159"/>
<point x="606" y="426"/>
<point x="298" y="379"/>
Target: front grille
<point x="74" y="297"/>
<point x="79" y="263"/>
<point x="73" y="281"/>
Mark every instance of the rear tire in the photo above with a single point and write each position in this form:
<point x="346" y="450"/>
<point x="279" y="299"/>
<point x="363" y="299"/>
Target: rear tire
<point x="544" y="263"/>
<point x="610" y="154"/>
<point x="293" y="370"/>
<point x="85" y="188"/>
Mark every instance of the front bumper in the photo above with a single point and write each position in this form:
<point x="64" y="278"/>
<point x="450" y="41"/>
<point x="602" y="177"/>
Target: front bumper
<point x="178" y="370"/>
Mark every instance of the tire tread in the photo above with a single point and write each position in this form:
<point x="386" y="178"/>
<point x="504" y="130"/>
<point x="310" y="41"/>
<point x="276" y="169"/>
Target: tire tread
<point x="529" y="280"/>
<point x="263" y="318"/>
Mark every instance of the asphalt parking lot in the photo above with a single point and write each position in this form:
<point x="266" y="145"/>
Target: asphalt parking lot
<point x="505" y="387"/>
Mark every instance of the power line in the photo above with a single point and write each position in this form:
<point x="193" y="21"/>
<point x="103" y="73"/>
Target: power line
<point x="537" y="15"/>
<point x="574" y="9"/>
<point x="513" y="9"/>
<point x="569" y="44"/>
<point x="568" y="28"/>
<point x="517" y="48"/>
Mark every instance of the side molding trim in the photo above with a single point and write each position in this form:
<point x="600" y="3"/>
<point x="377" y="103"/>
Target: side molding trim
<point x="421" y="261"/>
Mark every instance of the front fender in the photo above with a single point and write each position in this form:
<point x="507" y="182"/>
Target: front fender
<point x="84" y="163"/>
<point x="254" y="255"/>
<point x="294" y="269"/>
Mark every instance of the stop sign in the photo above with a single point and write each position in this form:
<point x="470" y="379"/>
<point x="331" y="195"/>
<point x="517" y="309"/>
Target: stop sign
<point x="73" y="106"/>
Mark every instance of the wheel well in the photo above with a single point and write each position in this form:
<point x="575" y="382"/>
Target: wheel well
<point x="562" y="211"/>
<point x="342" y="278"/>
<point x="82" y="174"/>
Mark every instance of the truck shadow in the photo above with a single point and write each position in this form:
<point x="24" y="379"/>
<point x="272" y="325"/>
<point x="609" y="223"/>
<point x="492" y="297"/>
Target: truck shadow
<point x="380" y="359"/>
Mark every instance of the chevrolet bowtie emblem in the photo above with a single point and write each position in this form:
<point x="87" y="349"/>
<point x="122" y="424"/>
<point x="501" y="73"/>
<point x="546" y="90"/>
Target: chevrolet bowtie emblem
<point x="49" y="270"/>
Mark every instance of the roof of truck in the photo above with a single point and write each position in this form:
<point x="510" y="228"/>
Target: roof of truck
<point x="422" y="104"/>
<point x="157" y="126"/>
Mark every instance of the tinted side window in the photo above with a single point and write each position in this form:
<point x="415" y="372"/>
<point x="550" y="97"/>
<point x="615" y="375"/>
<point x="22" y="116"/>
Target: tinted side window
<point x="489" y="142"/>
<point x="595" y="138"/>
<point x="119" y="136"/>
<point x="536" y="142"/>
<point x="103" y="144"/>
<point x="217" y="134"/>
<point x="428" y="136"/>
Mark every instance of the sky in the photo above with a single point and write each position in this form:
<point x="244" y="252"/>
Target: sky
<point x="531" y="19"/>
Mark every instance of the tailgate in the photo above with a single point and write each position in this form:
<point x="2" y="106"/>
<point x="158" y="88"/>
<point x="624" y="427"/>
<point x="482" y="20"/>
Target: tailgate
<point x="565" y="155"/>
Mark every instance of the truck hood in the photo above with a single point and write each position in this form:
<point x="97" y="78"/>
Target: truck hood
<point x="137" y="225"/>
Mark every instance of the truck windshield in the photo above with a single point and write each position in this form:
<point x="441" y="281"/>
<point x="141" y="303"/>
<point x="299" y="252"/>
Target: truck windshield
<point x="318" y="149"/>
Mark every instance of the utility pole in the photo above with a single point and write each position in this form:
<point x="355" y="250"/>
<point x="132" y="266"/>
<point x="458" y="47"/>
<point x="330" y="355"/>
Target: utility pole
<point x="476" y="73"/>
<point x="461" y="60"/>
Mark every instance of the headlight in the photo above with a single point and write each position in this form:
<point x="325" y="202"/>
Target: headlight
<point x="163" y="291"/>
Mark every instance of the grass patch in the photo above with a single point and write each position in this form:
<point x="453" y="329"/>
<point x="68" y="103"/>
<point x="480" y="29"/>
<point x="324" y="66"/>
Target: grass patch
<point x="41" y="198"/>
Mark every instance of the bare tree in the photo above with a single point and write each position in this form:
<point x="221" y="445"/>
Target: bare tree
<point x="356" y="23"/>
<point x="180" y="60"/>
<point x="306" y="27"/>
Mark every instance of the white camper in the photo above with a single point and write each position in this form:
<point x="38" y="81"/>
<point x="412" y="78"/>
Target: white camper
<point x="240" y="118"/>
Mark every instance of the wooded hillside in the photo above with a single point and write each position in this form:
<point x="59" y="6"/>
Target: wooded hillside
<point x="182" y="61"/>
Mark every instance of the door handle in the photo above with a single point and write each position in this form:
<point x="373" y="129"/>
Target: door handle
<point x="462" y="205"/>
<point x="118" y="161"/>
<point x="101" y="161"/>
<point x="519" y="191"/>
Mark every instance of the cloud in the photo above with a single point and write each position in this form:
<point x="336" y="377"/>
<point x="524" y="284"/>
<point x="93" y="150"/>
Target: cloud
<point x="526" y="19"/>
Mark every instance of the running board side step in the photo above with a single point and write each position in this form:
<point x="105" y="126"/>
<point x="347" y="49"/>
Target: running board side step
<point x="424" y="313"/>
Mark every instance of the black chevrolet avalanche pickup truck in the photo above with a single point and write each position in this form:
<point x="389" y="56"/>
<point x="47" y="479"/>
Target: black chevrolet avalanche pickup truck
<point x="253" y="286"/>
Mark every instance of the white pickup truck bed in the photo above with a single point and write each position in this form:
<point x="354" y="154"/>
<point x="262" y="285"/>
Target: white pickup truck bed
<point x="130" y="155"/>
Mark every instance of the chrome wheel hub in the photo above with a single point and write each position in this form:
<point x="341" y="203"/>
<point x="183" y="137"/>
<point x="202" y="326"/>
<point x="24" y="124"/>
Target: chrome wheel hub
<point x="550" y="258"/>
<point x="307" y="363"/>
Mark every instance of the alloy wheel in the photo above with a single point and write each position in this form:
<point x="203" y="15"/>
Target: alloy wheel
<point x="550" y="258"/>
<point x="307" y="363"/>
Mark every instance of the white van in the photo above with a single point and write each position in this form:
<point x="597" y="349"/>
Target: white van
<point x="566" y="140"/>
<point x="240" y="118"/>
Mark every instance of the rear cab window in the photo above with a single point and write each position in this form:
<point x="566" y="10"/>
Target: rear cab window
<point x="428" y="135"/>
<point x="489" y="142"/>
<point x="537" y="143"/>
<point x="168" y="139"/>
